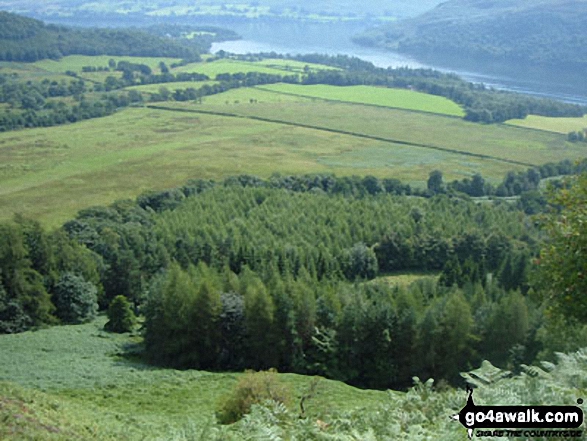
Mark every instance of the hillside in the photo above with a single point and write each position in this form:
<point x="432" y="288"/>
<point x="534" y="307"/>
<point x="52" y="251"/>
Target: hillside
<point x="26" y="39"/>
<point x="87" y="11"/>
<point x="550" y="32"/>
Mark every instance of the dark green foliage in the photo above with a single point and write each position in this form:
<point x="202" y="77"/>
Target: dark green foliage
<point x="360" y="262"/>
<point x="435" y="184"/>
<point x="25" y="39"/>
<point x="563" y="261"/>
<point x="75" y="299"/>
<point x="32" y="263"/>
<point x="264" y="276"/>
<point x="121" y="317"/>
<point x="546" y="32"/>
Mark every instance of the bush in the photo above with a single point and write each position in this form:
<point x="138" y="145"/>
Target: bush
<point x="121" y="318"/>
<point x="75" y="299"/>
<point x="253" y="388"/>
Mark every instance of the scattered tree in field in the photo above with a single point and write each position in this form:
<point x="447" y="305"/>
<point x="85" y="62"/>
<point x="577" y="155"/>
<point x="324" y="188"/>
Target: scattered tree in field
<point x="121" y="317"/>
<point x="435" y="183"/>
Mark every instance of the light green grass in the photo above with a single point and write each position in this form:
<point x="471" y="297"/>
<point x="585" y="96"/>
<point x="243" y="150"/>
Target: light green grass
<point x="228" y="66"/>
<point x="181" y="85"/>
<point x="90" y="390"/>
<point x="51" y="173"/>
<point x="246" y="94"/>
<point x="378" y="96"/>
<point x="405" y="278"/>
<point x="30" y="72"/>
<point x="293" y="65"/>
<point x="558" y="125"/>
<point x="499" y="141"/>
<point x="75" y="63"/>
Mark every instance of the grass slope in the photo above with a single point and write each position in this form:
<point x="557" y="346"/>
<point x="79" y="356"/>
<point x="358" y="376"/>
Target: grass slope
<point x="377" y="96"/>
<point x="71" y="382"/>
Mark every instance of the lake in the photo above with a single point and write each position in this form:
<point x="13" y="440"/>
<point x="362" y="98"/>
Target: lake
<point x="335" y="38"/>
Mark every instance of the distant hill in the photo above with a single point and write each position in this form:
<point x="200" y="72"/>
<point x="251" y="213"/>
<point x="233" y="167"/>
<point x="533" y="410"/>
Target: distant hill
<point x="26" y="39"/>
<point x="539" y="31"/>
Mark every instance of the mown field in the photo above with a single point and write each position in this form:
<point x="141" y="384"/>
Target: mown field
<point x="377" y="96"/>
<point x="75" y="382"/>
<point x="557" y="125"/>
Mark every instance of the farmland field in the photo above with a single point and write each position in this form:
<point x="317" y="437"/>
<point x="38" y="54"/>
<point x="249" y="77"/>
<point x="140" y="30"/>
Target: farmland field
<point x="154" y="88"/>
<point x="378" y="96"/>
<point x="52" y="173"/>
<point x="525" y="147"/>
<point x="227" y="66"/>
<point x="75" y="63"/>
<point x="558" y="125"/>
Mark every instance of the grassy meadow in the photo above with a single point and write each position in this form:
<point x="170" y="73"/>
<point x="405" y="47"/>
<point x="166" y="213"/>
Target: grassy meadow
<point x="178" y="85"/>
<point x="228" y="66"/>
<point x="557" y="125"/>
<point x="377" y="96"/>
<point x="77" y="382"/>
<point x="75" y="63"/>
<point x="503" y="143"/>
<point x="51" y="173"/>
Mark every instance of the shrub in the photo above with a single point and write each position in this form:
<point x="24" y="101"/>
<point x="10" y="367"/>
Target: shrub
<point x="253" y="388"/>
<point x="121" y="318"/>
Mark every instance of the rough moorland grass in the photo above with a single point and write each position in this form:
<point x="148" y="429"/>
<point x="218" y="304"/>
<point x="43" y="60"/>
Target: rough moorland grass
<point x="558" y="125"/>
<point x="500" y="141"/>
<point x="51" y="173"/>
<point x="74" y="382"/>
<point x="378" y="96"/>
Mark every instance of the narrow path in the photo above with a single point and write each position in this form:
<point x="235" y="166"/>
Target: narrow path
<point x="343" y="132"/>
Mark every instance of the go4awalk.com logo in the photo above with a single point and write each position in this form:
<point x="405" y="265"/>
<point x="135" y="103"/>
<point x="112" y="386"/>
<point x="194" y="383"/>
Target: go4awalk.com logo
<point x="520" y="421"/>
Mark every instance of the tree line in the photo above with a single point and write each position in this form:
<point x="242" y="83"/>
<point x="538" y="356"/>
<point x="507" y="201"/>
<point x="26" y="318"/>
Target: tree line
<point x="285" y="272"/>
<point x="481" y="104"/>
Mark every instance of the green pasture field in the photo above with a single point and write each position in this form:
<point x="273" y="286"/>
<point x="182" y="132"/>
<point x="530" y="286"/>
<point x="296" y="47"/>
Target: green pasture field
<point x="246" y="94"/>
<point x="378" y="96"/>
<point x="51" y="173"/>
<point x="293" y="65"/>
<point x="75" y="63"/>
<point x="30" y="72"/>
<point x="181" y="85"/>
<point x="504" y="143"/>
<point x="228" y="66"/>
<point x="76" y="382"/>
<point x="558" y="125"/>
